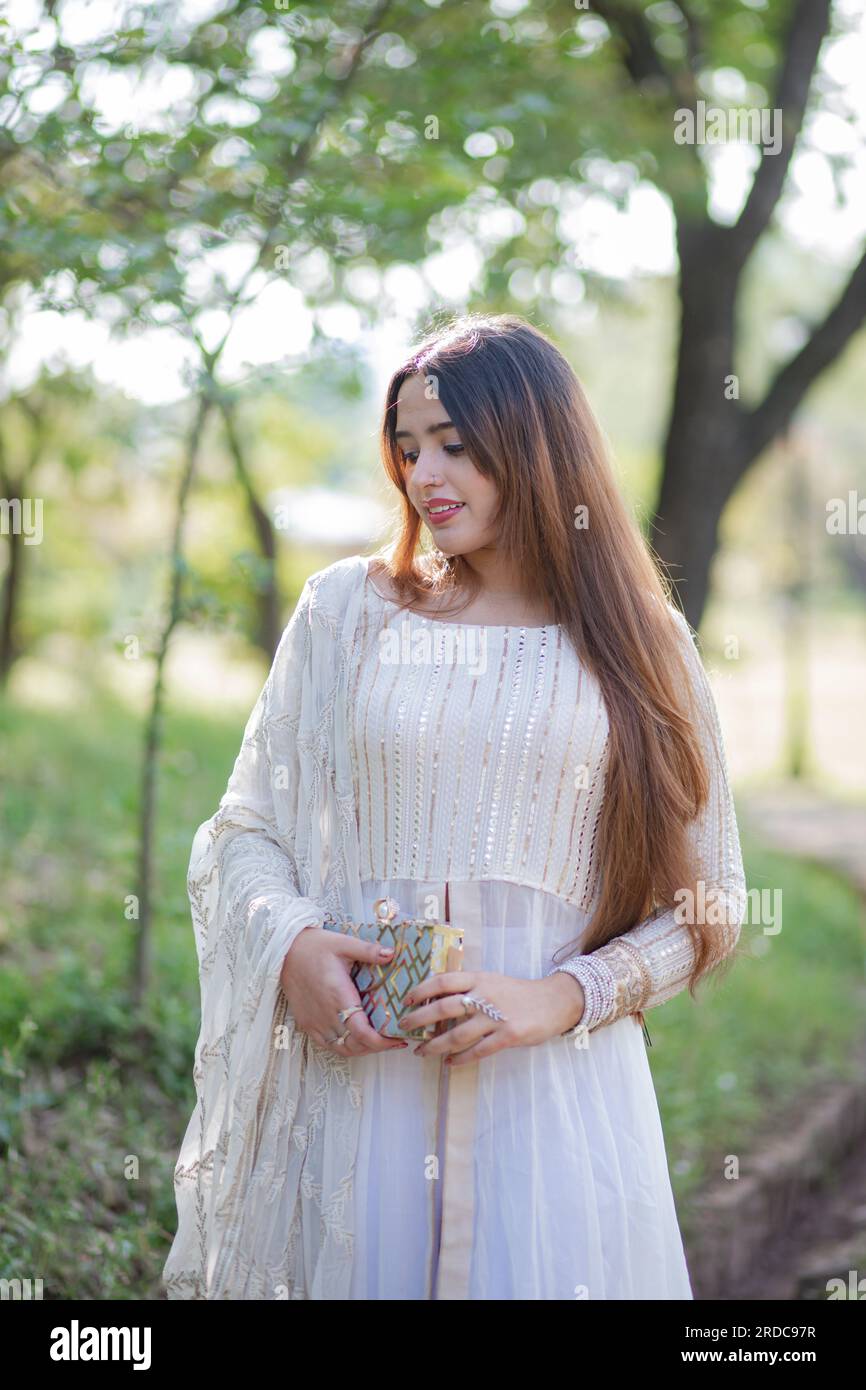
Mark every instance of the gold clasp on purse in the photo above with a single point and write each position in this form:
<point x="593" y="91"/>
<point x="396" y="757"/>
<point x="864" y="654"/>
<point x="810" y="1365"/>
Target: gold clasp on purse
<point x="385" y="910"/>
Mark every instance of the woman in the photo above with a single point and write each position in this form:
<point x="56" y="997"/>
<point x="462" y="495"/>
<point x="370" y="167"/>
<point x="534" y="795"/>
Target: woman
<point x="509" y="729"/>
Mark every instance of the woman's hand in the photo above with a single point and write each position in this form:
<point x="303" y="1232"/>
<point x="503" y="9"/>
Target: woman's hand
<point x="534" y="1010"/>
<point x="317" y="982"/>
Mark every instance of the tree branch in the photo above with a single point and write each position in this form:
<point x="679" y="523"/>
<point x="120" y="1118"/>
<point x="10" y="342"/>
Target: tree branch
<point x="339" y="89"/>
<point x="793" y="381"/>
<point x="340" y="86"/>
<point x="694" y="38"/>
<point x="640" y="57"/>
<point x="645" y="67"/>
<point x="809" y="24"/>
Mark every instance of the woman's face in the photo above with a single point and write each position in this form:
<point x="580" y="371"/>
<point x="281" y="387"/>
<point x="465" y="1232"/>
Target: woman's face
<point x="437" y="470"/>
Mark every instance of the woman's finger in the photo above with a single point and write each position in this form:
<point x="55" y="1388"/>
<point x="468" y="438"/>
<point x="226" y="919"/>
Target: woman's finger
<point x="456" y="1039"/>
<point x="485" y="1047"/>
<point x="363" y="1037"/>
<point x="352" y="949"/>
<point x="435" y="986"/>
<point x="449" y="1006"/>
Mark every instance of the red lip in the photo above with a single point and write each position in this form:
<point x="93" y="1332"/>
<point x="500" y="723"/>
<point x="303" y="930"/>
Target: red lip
<point x="441" y="502"/>
<point x="442" y="518"/>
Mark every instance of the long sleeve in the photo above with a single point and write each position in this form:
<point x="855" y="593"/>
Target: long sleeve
<point x="653" y="961"/>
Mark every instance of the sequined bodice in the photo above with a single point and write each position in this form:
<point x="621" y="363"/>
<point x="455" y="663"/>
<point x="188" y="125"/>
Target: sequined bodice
<point x="477" y="752"/>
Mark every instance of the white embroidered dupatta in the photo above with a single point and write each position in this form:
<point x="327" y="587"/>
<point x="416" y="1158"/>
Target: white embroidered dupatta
<point x="264" y="1179"/>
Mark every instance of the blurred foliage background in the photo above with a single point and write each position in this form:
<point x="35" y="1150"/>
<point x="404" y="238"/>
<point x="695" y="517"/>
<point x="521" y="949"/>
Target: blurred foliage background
<point x="221" y="225"/>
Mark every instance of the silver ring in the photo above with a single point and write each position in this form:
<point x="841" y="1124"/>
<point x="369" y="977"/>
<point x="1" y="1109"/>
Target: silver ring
<point x="346" y="1014"/>
<point x="475" y="1001"/>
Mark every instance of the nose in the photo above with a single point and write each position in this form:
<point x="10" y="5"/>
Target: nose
<point x="428" y="468"/>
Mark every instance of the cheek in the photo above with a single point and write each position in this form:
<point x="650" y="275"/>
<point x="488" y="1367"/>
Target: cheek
<point x="482" y="499"/>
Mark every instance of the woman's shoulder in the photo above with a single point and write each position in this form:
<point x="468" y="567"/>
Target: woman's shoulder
<point x="325" y="597"/>
<point x="678" y="620"/>
<point x="353" y="569"/>
<point x="380" y="577"/>
<point x="332" y="585"/>
<point x="687" y="641"/>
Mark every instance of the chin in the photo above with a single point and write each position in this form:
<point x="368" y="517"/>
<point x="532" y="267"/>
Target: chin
<point x="452" y="548"/>
<point x="449" y="545"/>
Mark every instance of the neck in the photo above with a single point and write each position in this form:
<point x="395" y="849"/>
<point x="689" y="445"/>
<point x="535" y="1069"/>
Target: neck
<point x="499" y="579"/>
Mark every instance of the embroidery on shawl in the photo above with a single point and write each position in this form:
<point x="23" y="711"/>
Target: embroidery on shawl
<point x="256" y="1115"/>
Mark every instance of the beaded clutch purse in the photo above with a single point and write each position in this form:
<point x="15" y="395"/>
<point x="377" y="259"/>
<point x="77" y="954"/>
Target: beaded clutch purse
<point x="420" y="949"/>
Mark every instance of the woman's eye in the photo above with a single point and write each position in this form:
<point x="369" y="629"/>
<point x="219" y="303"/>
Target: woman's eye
<point x="412" y="455"/>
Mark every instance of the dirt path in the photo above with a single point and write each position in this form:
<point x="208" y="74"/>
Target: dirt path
<point x="820" y="1233"/>
<point x="802" y="823"/>
<point x="824" y="1238"/>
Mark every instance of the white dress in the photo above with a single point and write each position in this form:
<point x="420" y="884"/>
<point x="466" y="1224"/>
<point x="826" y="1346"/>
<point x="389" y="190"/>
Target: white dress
<point x="478" y="758"/>
<point x="467" y="759"/>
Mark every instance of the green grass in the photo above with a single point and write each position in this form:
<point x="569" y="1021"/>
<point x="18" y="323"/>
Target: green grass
<point x="787" y="1017"/>
<point x="93" y="1106"/>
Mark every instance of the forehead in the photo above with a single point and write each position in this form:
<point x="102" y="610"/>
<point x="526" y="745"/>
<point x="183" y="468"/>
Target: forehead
<point x="420" y="396"/>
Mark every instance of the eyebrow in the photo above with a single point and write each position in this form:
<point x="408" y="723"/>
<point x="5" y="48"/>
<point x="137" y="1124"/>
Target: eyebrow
<point x="433" y="429"/>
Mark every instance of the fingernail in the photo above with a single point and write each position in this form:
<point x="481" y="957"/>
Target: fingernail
<point x="385" y="951"/>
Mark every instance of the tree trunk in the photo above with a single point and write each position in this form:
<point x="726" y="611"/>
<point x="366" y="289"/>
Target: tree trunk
<point x="153" y="731"/>
<point x="13" y="490"/>
<point x="269" y="624"/>
<point x="705" y="449"/>
<point x="9" y="600"/>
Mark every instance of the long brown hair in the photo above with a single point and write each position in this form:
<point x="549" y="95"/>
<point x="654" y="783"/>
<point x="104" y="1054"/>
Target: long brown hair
<point x="525" y="422"/>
